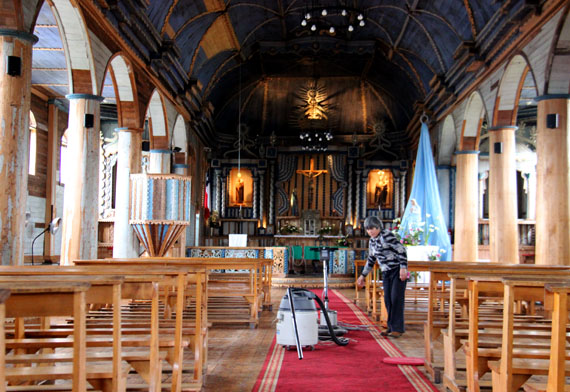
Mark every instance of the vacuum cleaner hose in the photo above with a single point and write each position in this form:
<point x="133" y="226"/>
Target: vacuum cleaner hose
<point x="337" y="340"/>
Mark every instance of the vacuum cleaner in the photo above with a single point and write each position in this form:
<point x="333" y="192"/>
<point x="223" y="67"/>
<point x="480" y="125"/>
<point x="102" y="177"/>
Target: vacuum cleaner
<point x="297" y="318"/>
<point x="297" y="321"/>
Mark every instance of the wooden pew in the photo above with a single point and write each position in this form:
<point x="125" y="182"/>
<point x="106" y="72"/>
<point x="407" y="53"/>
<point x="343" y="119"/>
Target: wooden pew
<point x="142" y="284"/>
<point x="439" y="271"/>
<point x="51" y="299"/>
<point x="510" y="373"/>
<point x="358" y="263"/>
<point x="103" y="289"/>
<point x="180" y="275"/>
<point x="512" y="288"/>
<point x="4" y="294"/>
<point x="558" y="358"/>
<point x="223" y="285"/>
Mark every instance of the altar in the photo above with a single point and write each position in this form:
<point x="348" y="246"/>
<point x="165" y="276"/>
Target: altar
<point x="302" y="247"/>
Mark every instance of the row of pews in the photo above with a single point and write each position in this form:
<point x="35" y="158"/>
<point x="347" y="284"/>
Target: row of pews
<point x="121" y="324"/>
<point x="486" y="314"/>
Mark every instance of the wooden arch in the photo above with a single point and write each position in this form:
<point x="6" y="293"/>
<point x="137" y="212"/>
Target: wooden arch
<point x="157" y="122"/>
<point x="77" y="47"/>
<point x="122" y="75"/>
<point x="559" y="61"/>
<point x="474" y="116"/>
<point x="510" y="87"/>
<point x="447" y="141"/>
<point x="179" y="134"/>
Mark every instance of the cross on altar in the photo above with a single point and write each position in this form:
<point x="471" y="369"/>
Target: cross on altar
<point x="311" y="174"/>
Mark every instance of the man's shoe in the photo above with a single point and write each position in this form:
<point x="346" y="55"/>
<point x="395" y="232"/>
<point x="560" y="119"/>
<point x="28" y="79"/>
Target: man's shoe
<point x="385" y="333"/>
<point x="395" y="334"/>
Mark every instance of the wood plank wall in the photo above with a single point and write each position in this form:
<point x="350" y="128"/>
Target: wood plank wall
<point x="325" y="185"/>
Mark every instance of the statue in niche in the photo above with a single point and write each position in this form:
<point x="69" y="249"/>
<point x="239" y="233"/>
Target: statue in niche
<point x="380" y="195"/>
<point x="294" y="203"/>
<point x="239" y="190"/>
<point x="381" y="190"/>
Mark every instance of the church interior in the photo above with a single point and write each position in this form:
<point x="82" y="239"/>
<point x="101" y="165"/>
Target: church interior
<point x="170" y="168"/>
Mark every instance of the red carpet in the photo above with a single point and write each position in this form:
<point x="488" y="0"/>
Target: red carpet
<point x="330" y="368"/>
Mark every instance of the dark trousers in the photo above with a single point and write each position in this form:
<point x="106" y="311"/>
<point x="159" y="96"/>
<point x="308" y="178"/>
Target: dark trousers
<point x="394" y="296"/>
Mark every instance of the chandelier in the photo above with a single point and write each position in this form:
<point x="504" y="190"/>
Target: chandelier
<point x="332" y="19"/>
<point x="315" y="140"/>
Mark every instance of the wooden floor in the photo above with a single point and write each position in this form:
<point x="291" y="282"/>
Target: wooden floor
<point x="236" y="355"/>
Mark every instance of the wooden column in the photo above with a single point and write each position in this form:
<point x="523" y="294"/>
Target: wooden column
<point x="15" y="96"/>
<point x="125" y="242"/>
<point x="51" y="175"/>
<point x="553" y="182"/>
<point x="466" y="200"/>
<point x="182" y="169"/>
<point x="503" y="233"/>
<point x="80" y="200"/>
<point x="159" y="161"/>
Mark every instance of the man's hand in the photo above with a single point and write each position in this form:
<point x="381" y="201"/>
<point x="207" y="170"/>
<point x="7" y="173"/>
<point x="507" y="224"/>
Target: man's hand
<point x="360" y="281"/>
<point x="403" y="273"/>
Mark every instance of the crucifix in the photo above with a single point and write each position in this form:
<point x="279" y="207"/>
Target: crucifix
<point x="311" y="174"/>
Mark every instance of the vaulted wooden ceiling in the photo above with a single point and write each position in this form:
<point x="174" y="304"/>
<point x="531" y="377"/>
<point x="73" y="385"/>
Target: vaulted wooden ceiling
<point x="408" y="57"/>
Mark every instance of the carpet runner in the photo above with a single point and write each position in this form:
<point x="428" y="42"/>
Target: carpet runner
<point x="356" y="367"/>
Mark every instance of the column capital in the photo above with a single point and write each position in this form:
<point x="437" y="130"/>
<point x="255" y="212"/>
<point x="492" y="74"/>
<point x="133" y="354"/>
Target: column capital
<point x="552" y="96"/>
<point x="126" y="129"/>
<point x="467" y="152"/>
<point x="23" y="35"/>
<point x="85" y="96"/>
<point x="502" y="127"/>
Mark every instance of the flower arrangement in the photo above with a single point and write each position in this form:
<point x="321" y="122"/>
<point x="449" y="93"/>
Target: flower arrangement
<point x="343" y="241"/>
<point x="325" y="230"/>
<point x="415" y="235"/>
<point x="214" y="220"/>
<point x="434" y="255"/>
<point x="290" y="229"/>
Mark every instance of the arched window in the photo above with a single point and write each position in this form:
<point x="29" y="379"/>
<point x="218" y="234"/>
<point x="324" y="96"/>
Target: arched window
<point x="33" y="145"/>
<point x="63" y="159"/>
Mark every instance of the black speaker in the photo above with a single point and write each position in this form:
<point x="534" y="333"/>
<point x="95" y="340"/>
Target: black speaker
<point x="552" y="120"/>
<point x="89" y="120"/>
<point x="14" y="66"/>
<point x="146" y="145"/>
<point x="498" y="148"/>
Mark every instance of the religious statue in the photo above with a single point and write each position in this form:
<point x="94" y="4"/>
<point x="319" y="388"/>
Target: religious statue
<point x="239" y="190"/>
<point x="380" y="195"/>
<point x="294" y="205"/>
<point x="381" y="190"/>
<point x="314" y="110"/>
<point x="311" y="174"/>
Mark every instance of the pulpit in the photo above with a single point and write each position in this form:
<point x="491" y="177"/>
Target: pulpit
<point x="160" y="210"/>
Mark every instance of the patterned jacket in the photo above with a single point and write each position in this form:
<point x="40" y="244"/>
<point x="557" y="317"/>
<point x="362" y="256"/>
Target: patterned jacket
<point x="387" y="251"/>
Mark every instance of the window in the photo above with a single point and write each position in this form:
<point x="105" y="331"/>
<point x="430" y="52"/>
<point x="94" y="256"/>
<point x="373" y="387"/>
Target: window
<point x="33" y="146"/>
<point x="63" y="159"/>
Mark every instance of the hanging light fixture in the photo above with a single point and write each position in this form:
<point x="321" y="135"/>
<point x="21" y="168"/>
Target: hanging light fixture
<point x="315" y="140"/>
<point x="332" y="19"/>
<point x="239" y="141"/>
